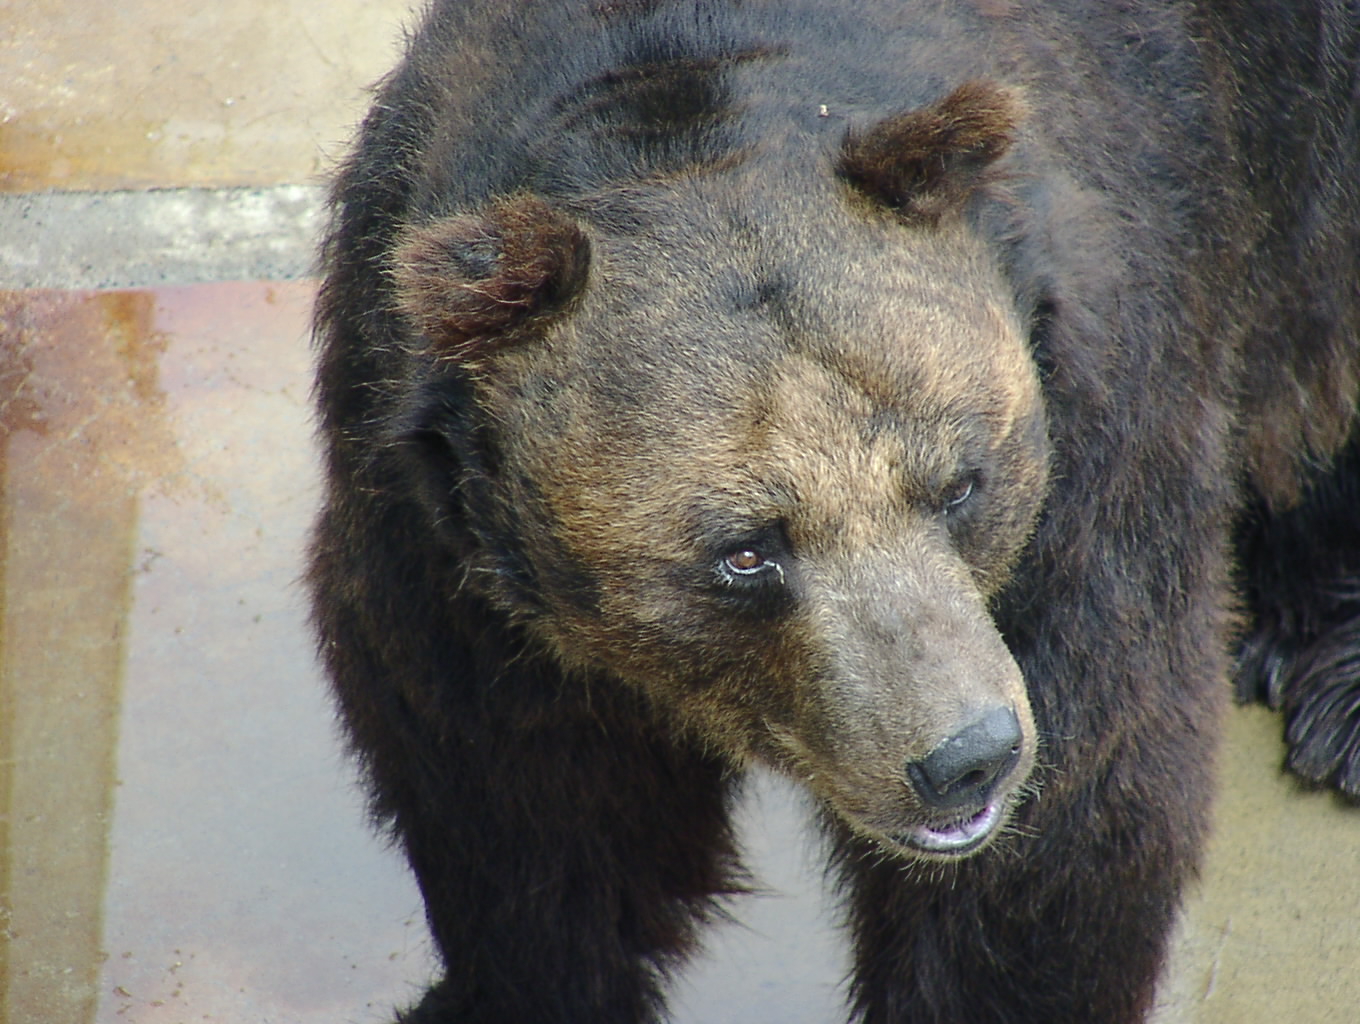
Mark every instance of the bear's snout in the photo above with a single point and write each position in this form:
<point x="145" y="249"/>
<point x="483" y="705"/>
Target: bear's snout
<point x="918" y="734"/>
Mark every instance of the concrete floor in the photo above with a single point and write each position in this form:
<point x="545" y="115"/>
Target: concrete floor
<point x="181" y="840"/>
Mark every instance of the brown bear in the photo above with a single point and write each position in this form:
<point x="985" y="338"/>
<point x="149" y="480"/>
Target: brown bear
<point x="928" y="401"/>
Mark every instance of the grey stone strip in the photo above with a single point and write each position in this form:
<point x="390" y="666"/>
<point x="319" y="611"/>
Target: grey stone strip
<point x="158" y="237"/>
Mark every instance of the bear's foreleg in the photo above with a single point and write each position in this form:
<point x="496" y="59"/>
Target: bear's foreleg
<point x="565" y="863"/>
<point x="1064" y="925"/>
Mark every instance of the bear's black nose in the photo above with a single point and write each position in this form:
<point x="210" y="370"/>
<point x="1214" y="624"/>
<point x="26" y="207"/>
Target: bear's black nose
<point x="964" y="769"/>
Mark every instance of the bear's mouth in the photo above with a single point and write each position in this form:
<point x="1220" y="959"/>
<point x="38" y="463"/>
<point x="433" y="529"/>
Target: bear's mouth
<point x="955" y="839"/>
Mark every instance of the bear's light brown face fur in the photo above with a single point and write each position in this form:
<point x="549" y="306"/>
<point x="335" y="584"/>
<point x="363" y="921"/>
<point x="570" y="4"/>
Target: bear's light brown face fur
<point x="783" y="519"/>
<point x="765" y="459"/>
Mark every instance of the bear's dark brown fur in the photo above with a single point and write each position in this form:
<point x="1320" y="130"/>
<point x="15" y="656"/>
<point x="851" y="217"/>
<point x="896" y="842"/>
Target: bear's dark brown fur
<point x="875" y="392"/>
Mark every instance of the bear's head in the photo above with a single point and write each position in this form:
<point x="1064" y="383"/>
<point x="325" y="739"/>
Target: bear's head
<point x="764" y="448"/>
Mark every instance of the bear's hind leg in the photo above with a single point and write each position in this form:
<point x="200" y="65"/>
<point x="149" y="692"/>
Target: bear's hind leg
<point x="1302" y="653"/>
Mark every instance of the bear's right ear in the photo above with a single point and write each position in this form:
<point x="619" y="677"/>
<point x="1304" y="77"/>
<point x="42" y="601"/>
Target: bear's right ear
<point x="925" y="163"/>
<point x="469" y="283"/>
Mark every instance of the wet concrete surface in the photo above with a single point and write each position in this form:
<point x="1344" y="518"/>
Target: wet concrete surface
<point x="181" y="837"/>
<point x="180" y="834"/>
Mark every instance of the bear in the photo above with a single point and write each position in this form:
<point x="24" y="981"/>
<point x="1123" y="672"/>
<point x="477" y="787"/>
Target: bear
<point x="941" y="405"/>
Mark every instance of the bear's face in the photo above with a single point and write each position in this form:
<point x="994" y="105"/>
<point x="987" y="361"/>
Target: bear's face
<point x="774" y="489"/>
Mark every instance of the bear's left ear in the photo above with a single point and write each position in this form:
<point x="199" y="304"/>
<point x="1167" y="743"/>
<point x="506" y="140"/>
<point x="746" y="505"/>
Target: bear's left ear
<point x="925" y="163"/>
<point x="470" y="283"/>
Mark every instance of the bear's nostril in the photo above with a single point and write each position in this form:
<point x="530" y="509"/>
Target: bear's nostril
<point x="964" y="769"/>
<point x="974" y="778"/>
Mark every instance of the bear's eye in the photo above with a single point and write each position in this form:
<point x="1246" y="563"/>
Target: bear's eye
<point x="959" y="493"/>
<point x="743" y="565"/>
<point x="745" y="561"/>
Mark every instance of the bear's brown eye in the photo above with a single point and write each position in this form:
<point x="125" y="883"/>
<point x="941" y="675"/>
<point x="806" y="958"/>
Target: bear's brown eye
<point x="959" y="492"/>
<point x="746" y="568"/>
<point x="745" y="561"/>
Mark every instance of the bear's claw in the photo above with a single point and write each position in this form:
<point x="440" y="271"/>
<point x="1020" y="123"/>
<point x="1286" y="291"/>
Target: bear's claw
<point x="1316" y="683"/>
<point x="1321" y="701"/>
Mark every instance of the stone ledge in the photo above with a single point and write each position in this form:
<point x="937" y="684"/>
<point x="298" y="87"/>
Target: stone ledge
<point x="156" y="237"/>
